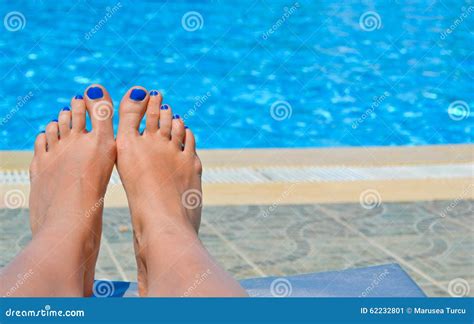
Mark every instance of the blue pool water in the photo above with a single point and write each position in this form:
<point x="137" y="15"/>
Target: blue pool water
<point x="253" y="73"/>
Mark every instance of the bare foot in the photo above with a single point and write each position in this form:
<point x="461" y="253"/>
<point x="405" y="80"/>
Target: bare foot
<point x="161" y="174"/>
<point x="160" y="171"/>
<point x="69" y="175"/>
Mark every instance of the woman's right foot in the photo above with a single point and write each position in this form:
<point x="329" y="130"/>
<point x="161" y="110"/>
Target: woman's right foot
<point x="161" y="174"/>
<point x="69" y="174"/>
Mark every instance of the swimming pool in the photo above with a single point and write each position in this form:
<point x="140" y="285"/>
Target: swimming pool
<point x="250" y="74"/>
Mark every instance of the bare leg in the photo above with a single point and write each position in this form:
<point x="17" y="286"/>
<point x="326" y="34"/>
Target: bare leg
<point x="161" y="174"/>
<point x="69" y="175"/>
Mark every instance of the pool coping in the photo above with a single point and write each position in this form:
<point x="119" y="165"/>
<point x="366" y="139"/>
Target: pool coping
<point x="229" y="187"/>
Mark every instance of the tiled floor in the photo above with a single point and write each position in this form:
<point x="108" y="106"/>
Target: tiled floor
<point x="432" y="241"/>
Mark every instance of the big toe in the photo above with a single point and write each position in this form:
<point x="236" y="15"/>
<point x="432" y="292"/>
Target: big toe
<point x="132" y="109"/>
<point x="100" y="109"/>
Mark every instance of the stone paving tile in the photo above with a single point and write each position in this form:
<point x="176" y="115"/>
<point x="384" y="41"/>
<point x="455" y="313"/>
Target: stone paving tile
<point x="433" y="239"/>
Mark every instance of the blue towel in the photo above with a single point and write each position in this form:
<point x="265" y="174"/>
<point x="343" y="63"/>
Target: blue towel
<point x="388" y="280"/>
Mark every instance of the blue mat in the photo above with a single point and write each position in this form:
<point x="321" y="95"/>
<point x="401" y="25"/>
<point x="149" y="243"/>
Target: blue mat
<point x="388" y="280"/>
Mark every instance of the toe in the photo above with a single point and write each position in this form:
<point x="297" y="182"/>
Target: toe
<point x="52" y="134"/>
<point x="132" y="109"/>
<point x="165" y="121"/>
<point x="100" y="109"/>
<point x="64" y="122"/>
<point x="189" y="142"/>
<point x="40" y="144"/>
<point x="78" y="114"/>
<point x="177" y="131"/>
<point x="153" y="111"/>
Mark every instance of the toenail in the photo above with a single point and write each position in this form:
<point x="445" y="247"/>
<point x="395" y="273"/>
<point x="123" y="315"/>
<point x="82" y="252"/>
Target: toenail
<point x="137" y="94"/>
<point x="66" y="109"/>
<point x="95" y="93"/>
<point x="78" y="97"/>
<point x="176" y="116"/>
<point x="186" y="127"/>
<point x="164" y="107"/>
<point x="153" y="93"/>
<point x="54" y="120"/>
<point x="42" y="132"/>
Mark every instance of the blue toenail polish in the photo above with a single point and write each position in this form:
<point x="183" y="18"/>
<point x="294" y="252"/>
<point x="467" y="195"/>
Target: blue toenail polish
<point x="153" y="93"/>
<point x="137" y="94"/>
<point x="164" y="107"/>
<point x="95" y="93"/>
<point x="42" y="132"/>
<point x="54" y="120"/>
<point x="186" y="127"/>
<point x="66" y="109"/>
<point x="78" y="97"/>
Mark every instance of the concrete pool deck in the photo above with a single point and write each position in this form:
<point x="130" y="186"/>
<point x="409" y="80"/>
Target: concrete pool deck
<point x="284" y="212"/>
<point x="302" y="176"/>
